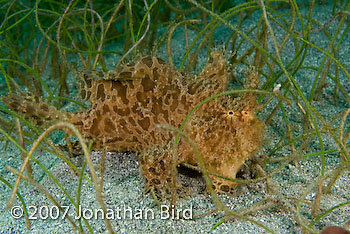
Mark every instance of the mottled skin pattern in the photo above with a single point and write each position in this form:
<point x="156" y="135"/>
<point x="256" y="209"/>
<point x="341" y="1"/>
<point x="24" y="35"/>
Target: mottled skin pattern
<point x="129" y="103"/>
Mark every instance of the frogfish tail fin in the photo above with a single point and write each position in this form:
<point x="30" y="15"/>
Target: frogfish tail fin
<point x="34" y="109"/>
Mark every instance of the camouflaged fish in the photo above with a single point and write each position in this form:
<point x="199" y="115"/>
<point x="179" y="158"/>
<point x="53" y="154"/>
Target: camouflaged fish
<point x="127" y="104"/>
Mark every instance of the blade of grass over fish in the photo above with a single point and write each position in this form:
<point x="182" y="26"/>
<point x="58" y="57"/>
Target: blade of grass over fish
<point x="205" y="172"/>
<point x="222" y="94"/>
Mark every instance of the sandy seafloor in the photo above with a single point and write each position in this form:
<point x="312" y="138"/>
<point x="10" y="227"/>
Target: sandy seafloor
<point x="123" y="185"/>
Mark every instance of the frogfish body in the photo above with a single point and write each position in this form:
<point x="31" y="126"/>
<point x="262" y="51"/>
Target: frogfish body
<point x="129" y="103"/>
